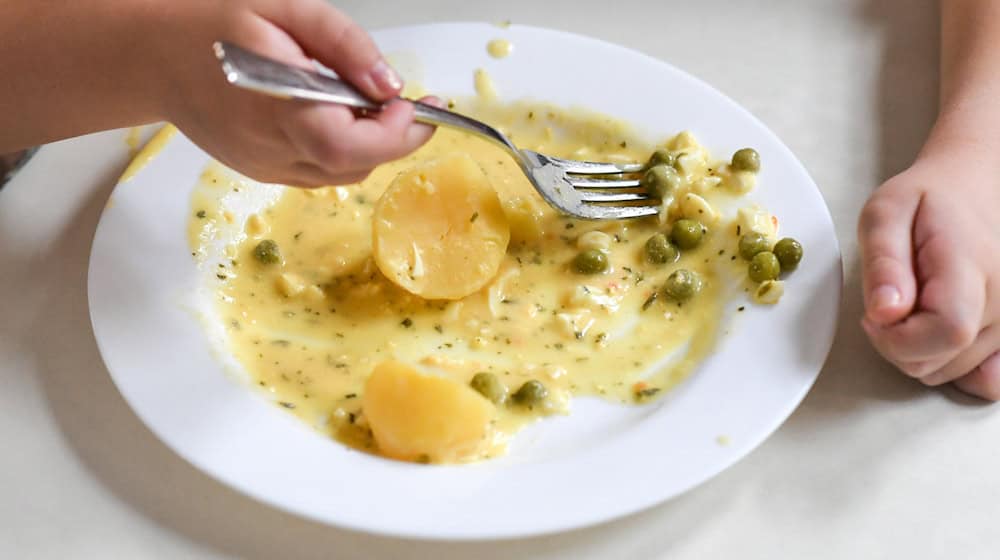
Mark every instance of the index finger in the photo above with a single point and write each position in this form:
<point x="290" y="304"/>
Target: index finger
<point x="334" y="39"/>
<point x="885" y="242"/>
<point x="389" y="136"/>
<point x="950" y="308"/>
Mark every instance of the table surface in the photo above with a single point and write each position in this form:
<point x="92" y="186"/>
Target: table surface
<point x="872" y="465"/>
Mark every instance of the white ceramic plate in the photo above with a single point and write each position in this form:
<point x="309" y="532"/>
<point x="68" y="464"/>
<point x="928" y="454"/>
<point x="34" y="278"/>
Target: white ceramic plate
<point x="599" y="463"/>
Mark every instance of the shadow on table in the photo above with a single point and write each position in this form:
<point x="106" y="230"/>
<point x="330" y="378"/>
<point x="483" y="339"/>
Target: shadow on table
<point x="906" y="103"/>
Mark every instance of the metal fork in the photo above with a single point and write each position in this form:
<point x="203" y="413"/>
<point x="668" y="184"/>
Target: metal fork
<point x="581" y="189"/>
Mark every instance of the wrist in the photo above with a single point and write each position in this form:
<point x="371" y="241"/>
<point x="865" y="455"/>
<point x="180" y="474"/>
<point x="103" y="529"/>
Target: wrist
<point x="161" y="32"/>
<point x="182" y="33"/>
<point x="968" y="130"/>
<point x="129" y="55"/>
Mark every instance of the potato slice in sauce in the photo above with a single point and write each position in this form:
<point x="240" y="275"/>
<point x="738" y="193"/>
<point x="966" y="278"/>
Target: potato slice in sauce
<point x="439" y="230"/>
<point x="416" y="416"/>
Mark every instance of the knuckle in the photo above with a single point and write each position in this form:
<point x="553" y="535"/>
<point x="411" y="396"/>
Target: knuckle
<point x="935" y="249"/>
<point x="354" y="34"/>
<point x="878" y="211"/>
<point x="327" y="150"/>
<point x="920" y="370"/>
<point x="881" y="345"/>
<point x="350" y="37"/>
<point x="959" y="332"/>
<point x="893" y="356"/>
<point x="991" y="367"/>
<point x="990" y="390"/>
<point x="877" y="262"/>
<point x="247" y="28"/>
<point x="316" y="135"/>
<point x="890" y="345"/>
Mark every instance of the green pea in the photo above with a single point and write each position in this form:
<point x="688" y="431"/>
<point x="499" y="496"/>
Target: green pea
<point x="753" y="243"/>
<point x="682" y="285"/>
<point x="661" y="181"/>
<point x="687" y="234"/>
<point x="530" y="394"/>
<point x="267" y="252"/>
<point x="789" y="253"/>
<point x="591" y="261"/>
<point x="746" y="159"/>
<point x="662" y="156"/>
<point x="489" y="386"/>
<point x="659" y="250"/>
<point x="764" y="266"/>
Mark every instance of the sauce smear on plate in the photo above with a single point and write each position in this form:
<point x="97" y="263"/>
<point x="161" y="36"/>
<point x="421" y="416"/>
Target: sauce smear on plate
<point x="576" y="308"/>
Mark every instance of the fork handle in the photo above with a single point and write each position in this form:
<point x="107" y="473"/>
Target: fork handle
<point x="264" y="75"/>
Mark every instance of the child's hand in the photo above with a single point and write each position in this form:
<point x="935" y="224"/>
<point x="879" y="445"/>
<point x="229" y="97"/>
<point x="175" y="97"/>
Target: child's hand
<point x="930" y="243"/>
<point x="273" y="140"/>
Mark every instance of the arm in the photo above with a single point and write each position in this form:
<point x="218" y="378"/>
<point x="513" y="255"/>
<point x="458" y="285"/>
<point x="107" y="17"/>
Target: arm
<point x="929" y="236"/>
<point x="970" y="74"/>
<point x="71" y="71"/>
<point x="90" y="65"/>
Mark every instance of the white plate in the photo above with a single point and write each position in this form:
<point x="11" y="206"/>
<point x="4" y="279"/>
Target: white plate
<point x="599" y="463"/>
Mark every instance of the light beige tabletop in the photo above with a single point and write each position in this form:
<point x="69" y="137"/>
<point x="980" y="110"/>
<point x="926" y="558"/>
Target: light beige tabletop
<point x="871" y="466"/>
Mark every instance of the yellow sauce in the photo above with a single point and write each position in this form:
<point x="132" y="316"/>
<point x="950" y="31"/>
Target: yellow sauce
<point x="132" y="140"/>
<point x="485" y="89"/>
<point x="310" y="329"/>
<point x="149" y="151"/>
<point x="499" y="48"/>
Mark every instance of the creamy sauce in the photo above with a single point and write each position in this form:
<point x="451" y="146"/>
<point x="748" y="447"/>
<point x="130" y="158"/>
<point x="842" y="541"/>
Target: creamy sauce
<point x="499" y="48"/>
<point x="485" y="88"/>
<point x="148" y="152"/>
<point x="132" y="140"/>
<point x="310" y="329"/>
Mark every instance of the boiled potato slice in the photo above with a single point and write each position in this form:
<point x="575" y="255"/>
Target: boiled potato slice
<point x="414" y="415"/>
<point x="697" y="208"/>
<point x="439" y="230"/>
<point x="756" y="219"/>
<point x="742" y="182"/>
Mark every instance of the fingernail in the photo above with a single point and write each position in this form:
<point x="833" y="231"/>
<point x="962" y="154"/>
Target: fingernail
<point x="385" y="77"/>
<point x="885" y="297"/>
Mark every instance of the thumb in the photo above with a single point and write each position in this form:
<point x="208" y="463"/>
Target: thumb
<point x="336" y="41"/>
<point x="886" y="243"/>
